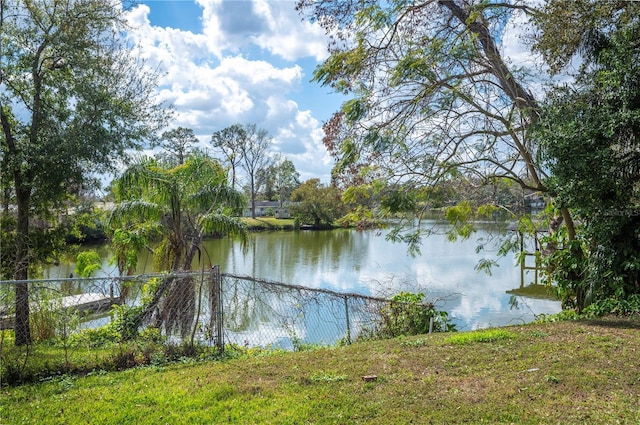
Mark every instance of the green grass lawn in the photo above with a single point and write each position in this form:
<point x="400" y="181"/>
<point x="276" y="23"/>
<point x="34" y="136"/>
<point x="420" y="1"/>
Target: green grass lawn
<point x="584" y="372"/>
<point x="269" y="223"/>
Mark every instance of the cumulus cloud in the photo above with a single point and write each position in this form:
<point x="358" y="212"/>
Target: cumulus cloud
<point x="241" y="65"/>
<point x="288" y="36"/>
<point x="274" y="26"/>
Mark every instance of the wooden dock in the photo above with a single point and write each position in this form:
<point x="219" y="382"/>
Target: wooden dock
<point x="92" y="302"/>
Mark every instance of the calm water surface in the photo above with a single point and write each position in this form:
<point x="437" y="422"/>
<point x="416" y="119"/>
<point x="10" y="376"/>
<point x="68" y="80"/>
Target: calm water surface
<point x="365" y="262"/>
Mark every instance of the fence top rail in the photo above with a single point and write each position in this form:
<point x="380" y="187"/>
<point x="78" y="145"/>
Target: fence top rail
<point x="97" y="279"/>
<point x="305" y="288"/>
<point x="214" y="269"/>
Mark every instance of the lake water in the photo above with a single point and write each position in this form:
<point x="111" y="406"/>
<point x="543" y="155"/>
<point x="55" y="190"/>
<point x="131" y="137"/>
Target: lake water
<point x="364" y="262"/>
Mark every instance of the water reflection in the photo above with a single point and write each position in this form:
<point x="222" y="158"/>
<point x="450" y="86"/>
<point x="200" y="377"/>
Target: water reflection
<point x="365" y="262"/>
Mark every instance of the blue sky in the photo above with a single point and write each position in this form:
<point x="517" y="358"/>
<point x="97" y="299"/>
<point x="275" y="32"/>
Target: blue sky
<point x="241" y="61"/>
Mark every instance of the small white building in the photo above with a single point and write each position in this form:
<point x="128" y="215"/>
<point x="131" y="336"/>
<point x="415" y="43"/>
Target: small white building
<point x="269" y="208"/>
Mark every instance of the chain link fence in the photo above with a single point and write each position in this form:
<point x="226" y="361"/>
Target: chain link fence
<point x="207" y="307"/>
<point x="121" y="321"/>
<point x="259" y="312"/>
<point x="57" y="306"/>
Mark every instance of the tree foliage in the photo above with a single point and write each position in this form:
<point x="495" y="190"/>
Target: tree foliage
<point x="181" y="205"/>
<point x="566" y="30"/>
<point x="316" y="204"/>
<point x="254" y="158"/>
<point x="432" y="96"/>
<point x="591" y="137"/>
<point x="228" y="142"/>
<point x="246" y="147"/>
<point x="127" y="244"/>
<point x="87" y="263"/>
<point x="177" y="144"/>
<point x="74" y="99"/>
<point x="433" y="100"/>
<point x="277" y="181"/>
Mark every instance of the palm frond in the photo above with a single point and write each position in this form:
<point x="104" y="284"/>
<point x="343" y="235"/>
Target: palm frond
<point x="215" y="223"/>
<point x="138" y="211"/>
<point x="215" y="198"/>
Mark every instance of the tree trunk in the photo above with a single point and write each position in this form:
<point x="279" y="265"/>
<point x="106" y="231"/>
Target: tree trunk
<point x="22" y="329"/>
<point x="523" y="100"/>
<point x="253" y="198"/>
<point x="23" y="200"/>
<point x="233" y="175"/>
<point x="568" y="221"/>
<point x="21" y="261"/>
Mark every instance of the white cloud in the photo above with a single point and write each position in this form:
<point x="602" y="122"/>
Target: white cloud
<point x="138" y="17"/>
<point x="241" y="69"/>
<point x="514" y="42"/>
<point x="274" y="26"/>
<point x="289" y="37"/>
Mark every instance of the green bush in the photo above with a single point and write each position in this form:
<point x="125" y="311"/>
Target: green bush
<point x="87" y="263"/>
<point x="615" y="305"/>
<point x="408" y="314"/>
<point x="95" y="337"/>
<point x="126" y="321"/>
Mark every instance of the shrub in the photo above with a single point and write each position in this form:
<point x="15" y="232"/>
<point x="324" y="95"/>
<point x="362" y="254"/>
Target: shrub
<point x="621" y="306"/>
<point x="126" y="321"/>
<point x="95" y="337"/>
<point x="409" y="314"/>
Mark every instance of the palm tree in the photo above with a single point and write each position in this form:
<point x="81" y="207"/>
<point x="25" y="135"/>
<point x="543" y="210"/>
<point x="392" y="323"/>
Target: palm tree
<point x="181" y="204"/>
<point x="126" y="245"/>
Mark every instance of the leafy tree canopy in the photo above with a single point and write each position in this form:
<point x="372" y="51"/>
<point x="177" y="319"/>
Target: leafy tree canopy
<point x="316" y="204"/>
<point x="591" y="137"/>
<point x="433" y="100"/>
<point x="74" y="99"/>
<point x="278" y="180"/>
<point x="431" y="96"/>
<point x="180" y="204"/>
<point x="177" y="144"/>
<point x="245" y="147"/>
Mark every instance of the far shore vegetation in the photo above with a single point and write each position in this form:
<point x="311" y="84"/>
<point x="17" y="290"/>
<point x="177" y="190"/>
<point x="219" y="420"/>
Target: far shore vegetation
<point x="269" y="223"/>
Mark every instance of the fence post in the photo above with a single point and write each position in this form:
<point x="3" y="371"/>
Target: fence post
<point x="346" y="312"/>
<point x="216" y="306"/>
<point x="522" y="259"/>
